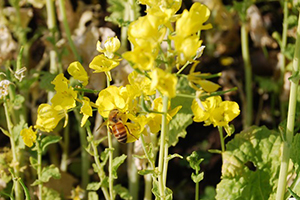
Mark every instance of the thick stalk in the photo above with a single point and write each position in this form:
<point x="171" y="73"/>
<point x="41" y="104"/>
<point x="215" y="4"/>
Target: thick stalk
<point x="39" y="168"/>
<point x="15" y="162"/>
<point x="282" y="60"/>
<point x="197" y="188"/>
<point x="221" y="138"/>
<point x="248" y="76"/>
<point x="133" y="176"/>
<point x="85" y="161"/>
<point x="62" y="9"/>
<point x="163" y="140"/>
<point x="290" y="122"/>
<point x="101" y="173"/>
<point x="65" y="150"/>
<point x="110" y="167"/>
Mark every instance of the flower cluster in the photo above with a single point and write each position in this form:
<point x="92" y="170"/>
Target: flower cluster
<point x="4" y="88"/>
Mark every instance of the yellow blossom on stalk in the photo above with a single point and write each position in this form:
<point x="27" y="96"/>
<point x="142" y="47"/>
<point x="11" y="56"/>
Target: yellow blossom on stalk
<point x="28" y="136"/>
<point x="111" y="45"/>
<point x="164" y="82"/>
<point x="86" y="110"/>
<point x="186" y="47"/>
<point x="136" y="126"/>
<point x="111" y="98"/>
<point x="225" y="113"/>
<point x="65" y="96"/>
<point x="154" y="119"/>
<point x="49" y="116"/>
<point x="146" y="29"/>
<point x="101" y="63"/>
<point x="142" y="58"/>
<point x="192" y="21"/>
<point x="76" y="70"/>
<point x="141" y="82"/>
<point x="202" y="109"/>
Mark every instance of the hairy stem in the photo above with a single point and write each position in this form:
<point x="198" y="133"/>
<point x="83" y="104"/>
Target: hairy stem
<point x="162" y="157"/>
<point x="248" y="76"/>
<point x="290" y="122"/>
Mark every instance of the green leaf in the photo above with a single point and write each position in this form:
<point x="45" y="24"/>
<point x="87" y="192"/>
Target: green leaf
<point x="104" y="157"/>
<point x="5" y="132"/>
<point x="93" y="186"/>
<point x="47" y="173"/>
<point x="122" y="192"/>
<point x="18" y="101"/>
<point x="155" y="191"/>
<point x="49" y="139"/>
<point x="45" y="81"/>
<point x="175" y="155"/>
<point x="251" y="162"/>
<point x="145" y="172"/>
<point x="116" y="163"/>
<point x="33" y="162"/>
<point x="194" y="161"/>
<point x="197" y="177"/>
<point x="50" y="194"/>
<point x="267" y="84"/>
<point x="16" y="134"/>
<point x="294" y="194"/>
<point x="93" y="196"/>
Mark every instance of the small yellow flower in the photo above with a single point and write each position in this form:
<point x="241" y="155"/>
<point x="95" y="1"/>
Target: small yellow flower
<point x="86" y="110"/>
<point x="164" y="82"/>
<point x="192" y="21"/>
<point x="48" y="117"/>
<point x="65" y="96"/>
<point x="29" y="136"/>
<point x="101" y="63"/>
<point x="141" y="82"/>
<point x="225" y="113"/>
<point x="76" y="70"/>
<point x="112" y="98"/>
<point x="111" y="45"/>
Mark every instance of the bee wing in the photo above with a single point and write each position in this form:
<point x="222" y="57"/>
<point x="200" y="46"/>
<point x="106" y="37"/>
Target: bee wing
<point x="103" y="124"/>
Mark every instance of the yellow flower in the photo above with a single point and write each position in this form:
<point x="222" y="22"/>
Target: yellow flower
<point x="48" y="117"/>
<point x="112" y="98"/>
<point x="136" y="126"/>
<point x="202" y="109"/>
<point x="141" y="83"/>
<point x="29" y="136"/>
<point x="111" y="45"/>
<point x="101" y="63"/>
<point x="225" y="113"/>
<point x="186" y="47"/>
<point x="65" y="96"/>
<point x="142" y="57"/>
<point x="192" y="21"/>
<point x="154" y="119"/>
<point x="208" y="86"/>
<point x="86" y="110"/>
<point x="76" y="70"/>
<point x="164" y="82"/>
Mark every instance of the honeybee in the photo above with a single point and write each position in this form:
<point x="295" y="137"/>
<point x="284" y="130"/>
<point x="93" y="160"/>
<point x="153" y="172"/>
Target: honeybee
<point x="117" y="127"/>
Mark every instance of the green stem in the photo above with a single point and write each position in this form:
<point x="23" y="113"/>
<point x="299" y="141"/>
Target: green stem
<point x="282" y="60"/>
<point x="290" y="122"/>
<point x="220" y="128"/>
<point x="65" y="150"/>
<point x="162" y="157"/>
<point x="62" y="9"/>
<point x="146" y="152"/>
<point x="85" y="162"/>
<point x="15" y="160"/>
<point x="133" y="176"/>
<point x="101" y="173"/>
<point x="248" y="76"/>
<point x="197" y="188"/>
<point x="110" y="167"/>
<point x="39" y="167"/>
<point x="148" y="187"/>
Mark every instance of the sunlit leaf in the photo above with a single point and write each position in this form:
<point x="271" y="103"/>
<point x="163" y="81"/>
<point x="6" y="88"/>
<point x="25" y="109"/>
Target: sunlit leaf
<point x="122" y="192"/>
<point x="93" y="186"/>
<point x="93" y="196"/>
<point x="197" y="177"/>
<point x="195" y="160"/>
<point x="116" y="163"/>
<point x="47" y="173"/>
<point x="50" y="194"/>
<point x="251" y="165"/>
<point x="49" y="139"/>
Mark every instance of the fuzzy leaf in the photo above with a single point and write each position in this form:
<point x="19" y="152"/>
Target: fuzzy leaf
<point x="49" y="139"/>
<point x="145" y="172"/>
<point x="116" y="163"/>
<point x="175" y="155"/>
<point x="122" y="192"/>
<point x="46" y="79"/>
<point x="5" y="132"/>
<point x="33" y="162"/>
<point x="47" y="173"/>
<point x="251" y="162"/>
<point x="197" y="177"/>
<point x="194" y="161"/>
<point x="93" y="196"/>
<point x="155" y="191"/>
<point x="16" y="134"/>
<point x="93" y="186"/>
<point x="50" y="194"/>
